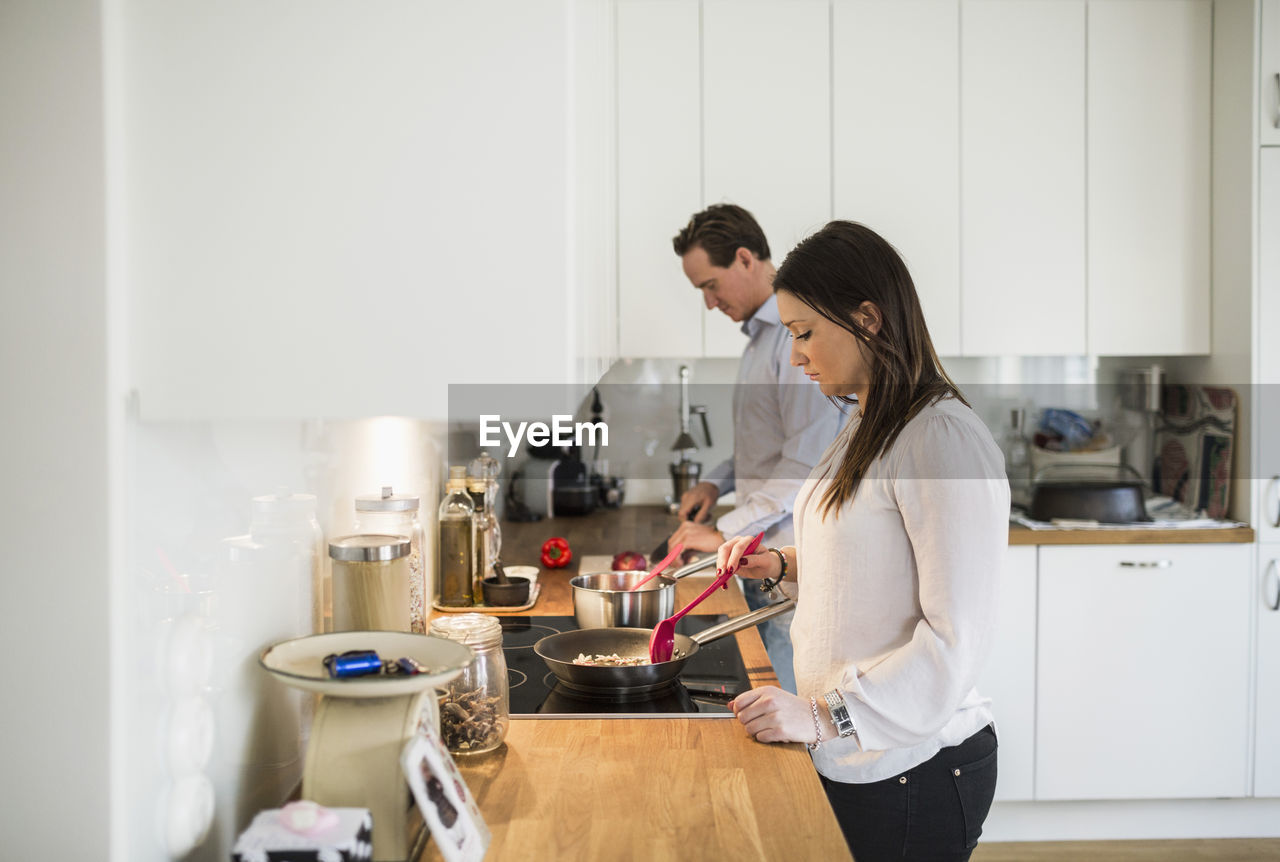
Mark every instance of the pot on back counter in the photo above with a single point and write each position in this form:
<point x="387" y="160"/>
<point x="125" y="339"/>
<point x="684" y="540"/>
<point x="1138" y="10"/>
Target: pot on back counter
<point x="1107" y="493"/>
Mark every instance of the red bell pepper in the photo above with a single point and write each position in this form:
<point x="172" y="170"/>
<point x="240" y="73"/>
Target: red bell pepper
<point x="556" y="553"/>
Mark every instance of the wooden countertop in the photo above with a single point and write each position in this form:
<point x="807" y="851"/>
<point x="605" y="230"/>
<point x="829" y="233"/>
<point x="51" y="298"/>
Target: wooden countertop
<point x="641" y="528"/>
<point x="590" y="789"/>
<point x="569" y="789"/>
<point x="1019" y="535"/>
<point x="649" y="789"/>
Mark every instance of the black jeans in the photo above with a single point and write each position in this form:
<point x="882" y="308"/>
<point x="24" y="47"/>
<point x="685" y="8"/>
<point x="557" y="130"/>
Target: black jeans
<point x="932" y="812"/>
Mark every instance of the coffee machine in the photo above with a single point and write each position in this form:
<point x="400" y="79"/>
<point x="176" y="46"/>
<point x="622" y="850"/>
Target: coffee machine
<point x="685" y="472"/>
<point x="1139" y="403"/>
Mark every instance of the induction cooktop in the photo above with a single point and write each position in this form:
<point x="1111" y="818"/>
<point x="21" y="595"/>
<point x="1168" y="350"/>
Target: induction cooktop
<point x="709" y="680"/>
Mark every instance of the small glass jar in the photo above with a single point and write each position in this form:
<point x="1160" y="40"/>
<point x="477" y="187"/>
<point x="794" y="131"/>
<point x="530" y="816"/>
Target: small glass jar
<point x="474" y="711"/>
<point x="397" y="514"/>
<point x="370" y="583"/>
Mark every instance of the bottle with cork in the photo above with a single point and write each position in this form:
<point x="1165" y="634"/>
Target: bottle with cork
<point x="482" y="484"/>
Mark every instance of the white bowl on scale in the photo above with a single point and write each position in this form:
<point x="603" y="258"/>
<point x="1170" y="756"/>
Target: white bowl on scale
<point x="300" y="662"/>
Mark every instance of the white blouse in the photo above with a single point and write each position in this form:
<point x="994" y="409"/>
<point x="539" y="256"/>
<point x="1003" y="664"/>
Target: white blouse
<point x="897" y="591"/>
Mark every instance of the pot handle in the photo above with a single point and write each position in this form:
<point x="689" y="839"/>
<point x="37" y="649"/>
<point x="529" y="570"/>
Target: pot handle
<point x="745" y="621"/>
<point x="698" y="566"/>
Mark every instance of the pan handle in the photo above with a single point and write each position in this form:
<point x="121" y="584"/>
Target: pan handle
<point x="698" y="566"/>
<point x="745" y="621"/>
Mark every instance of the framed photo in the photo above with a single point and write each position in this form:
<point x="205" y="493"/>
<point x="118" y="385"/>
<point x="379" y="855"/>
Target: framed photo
<point x="443" y="798"/>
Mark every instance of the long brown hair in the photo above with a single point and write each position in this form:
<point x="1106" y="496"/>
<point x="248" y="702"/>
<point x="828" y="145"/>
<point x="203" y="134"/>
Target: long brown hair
<point x="833" y="272"/>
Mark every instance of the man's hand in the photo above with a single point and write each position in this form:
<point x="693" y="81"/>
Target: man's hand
<point x="696" y="537"/>
<point x="702" y="498"/>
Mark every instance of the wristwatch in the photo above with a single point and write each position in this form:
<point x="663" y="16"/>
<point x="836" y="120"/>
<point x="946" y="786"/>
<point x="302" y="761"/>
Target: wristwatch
<point x="839" y="713"/>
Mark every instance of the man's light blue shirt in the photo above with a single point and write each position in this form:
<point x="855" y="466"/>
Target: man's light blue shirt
<point x="782" y="425"/>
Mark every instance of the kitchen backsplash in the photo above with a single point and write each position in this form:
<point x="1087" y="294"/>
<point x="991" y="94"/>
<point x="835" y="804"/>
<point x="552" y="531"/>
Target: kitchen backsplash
<point x="641" y="401"/>
<point x="203" y="607"/>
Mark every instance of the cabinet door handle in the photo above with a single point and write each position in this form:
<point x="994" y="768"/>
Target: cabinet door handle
<point x="1276" y="123"/>
<point x="1146" y="564"/>
<point x="1273" y="604"/>
<point x="1272" y="501"/>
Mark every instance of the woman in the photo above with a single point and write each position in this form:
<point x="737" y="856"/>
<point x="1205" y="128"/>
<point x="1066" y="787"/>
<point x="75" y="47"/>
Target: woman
<point x="900" y="532"/>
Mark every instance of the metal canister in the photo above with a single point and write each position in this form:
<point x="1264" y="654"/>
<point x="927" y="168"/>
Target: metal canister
<point x="371" y="583"/>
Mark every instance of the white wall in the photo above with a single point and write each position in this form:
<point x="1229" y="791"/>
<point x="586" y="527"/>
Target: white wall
<point x="53" y="437"/>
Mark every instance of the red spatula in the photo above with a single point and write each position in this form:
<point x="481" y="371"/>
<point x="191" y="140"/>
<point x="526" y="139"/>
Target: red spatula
<point x="663" y="640"/>
<point x="666" y="561"/>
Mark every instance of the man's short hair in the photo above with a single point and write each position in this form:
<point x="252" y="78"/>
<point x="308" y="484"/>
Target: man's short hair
<point x="721" y="229"/>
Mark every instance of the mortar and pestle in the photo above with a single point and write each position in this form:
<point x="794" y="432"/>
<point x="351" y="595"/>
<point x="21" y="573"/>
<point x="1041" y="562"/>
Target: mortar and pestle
<point x="501" y="591"/>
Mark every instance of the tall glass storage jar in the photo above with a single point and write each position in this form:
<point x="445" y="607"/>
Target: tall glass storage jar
<point x="388" y="513"/>
<point x="285" y="525"/>
<point x="370" y="583"/>
<point x="474" y="711"/>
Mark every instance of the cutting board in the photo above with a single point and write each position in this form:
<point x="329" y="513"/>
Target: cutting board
<point x="1194" y="443"/>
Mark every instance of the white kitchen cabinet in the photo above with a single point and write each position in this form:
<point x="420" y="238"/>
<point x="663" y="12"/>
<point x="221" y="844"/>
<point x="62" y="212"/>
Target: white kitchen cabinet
<point x="766" y="124"/>
<point x="1142" y="681"/>
<point x="659" y="175"/>
<point x="1266" y="752"/>
<point x="1267" y="393"/>
<point x="1009" y="677"/>
<point x="1022" y="200"/>
<point x="340" y="219"/>
<point x="1150" y="72"/>
<point x="1269" y="70"/>
<point x="896" y="132"/>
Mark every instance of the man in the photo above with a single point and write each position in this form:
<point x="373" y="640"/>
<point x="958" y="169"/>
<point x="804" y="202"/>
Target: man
<point x="781" y="422"/>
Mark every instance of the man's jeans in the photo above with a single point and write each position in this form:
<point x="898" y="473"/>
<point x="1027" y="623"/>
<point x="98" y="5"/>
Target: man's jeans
<point x="776" y="634"/>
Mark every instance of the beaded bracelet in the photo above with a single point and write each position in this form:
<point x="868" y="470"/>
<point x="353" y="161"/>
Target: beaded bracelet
<point x="817" y="726"/>
<point x="767" y="586"/>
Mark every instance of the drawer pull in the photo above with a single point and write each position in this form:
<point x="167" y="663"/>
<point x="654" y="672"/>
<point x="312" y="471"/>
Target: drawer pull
<point x="1146" y="564"/>
<point x="1277" y="120"/>
<point x="1272" y="603"/>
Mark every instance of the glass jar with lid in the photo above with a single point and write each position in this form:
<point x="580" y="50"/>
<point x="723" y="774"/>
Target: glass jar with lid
<point x="388" y="513"/>
<point x="370" y="583"/>
<point x="474" y="711"/>
<point x="284" y="529"/>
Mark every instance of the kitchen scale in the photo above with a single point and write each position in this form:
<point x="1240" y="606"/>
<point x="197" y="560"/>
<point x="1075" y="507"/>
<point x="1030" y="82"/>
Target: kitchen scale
<point x="362" y="724"/>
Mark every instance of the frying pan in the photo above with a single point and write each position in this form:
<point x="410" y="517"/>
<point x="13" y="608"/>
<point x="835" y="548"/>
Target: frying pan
<point x="559" y="651"/>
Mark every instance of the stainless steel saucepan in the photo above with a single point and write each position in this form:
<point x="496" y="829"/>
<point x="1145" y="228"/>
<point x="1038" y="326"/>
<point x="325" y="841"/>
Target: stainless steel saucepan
<point x="604" y="600"/>
<point x="559" y="651"/>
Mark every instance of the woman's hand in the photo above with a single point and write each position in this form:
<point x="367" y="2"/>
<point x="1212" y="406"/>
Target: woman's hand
<point x="770" y="714"/>
<point x="762" y="564"/>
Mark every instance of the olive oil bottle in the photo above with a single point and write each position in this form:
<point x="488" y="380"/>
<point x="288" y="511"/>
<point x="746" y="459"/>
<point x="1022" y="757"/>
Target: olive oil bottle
<point x="457" y="542"/>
